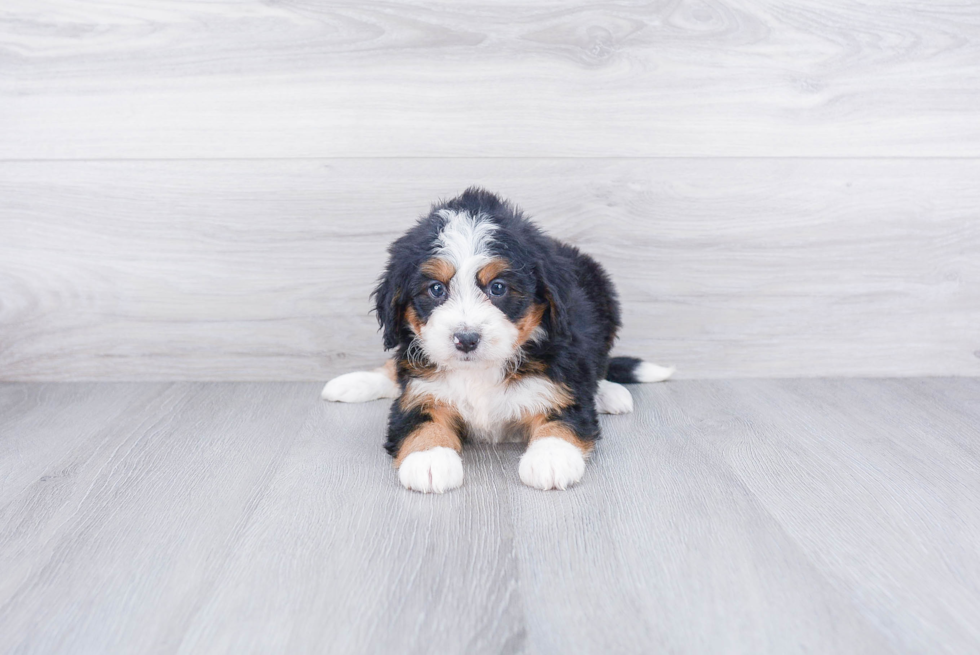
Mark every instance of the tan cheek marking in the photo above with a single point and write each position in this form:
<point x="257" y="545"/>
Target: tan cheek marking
<point x="413" y="320"/>
<point x="438" y="269"/>
<point x="528" y="322"/>
<point x="441" y="431"/>
<point x="491" y="270"/>
<point x="540" y="427"/>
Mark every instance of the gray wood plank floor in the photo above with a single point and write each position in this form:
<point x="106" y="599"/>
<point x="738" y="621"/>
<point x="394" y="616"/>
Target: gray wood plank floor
<point x="755" y="516"/>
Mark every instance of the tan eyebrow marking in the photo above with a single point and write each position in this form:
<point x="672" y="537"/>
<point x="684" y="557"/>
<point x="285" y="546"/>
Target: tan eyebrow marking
<point x="438" y="269"/>
<point x="491" y="270"/>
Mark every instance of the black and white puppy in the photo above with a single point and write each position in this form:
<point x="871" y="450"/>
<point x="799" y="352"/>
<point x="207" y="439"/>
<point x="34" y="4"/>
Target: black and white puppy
<point x="502" y="334"/>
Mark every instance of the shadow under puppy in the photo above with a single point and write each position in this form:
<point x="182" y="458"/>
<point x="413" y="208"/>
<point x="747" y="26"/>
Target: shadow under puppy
<point x="501" y="333"/>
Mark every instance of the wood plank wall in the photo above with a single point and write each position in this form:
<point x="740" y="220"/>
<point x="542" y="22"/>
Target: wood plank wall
<point x="205" y="190"/>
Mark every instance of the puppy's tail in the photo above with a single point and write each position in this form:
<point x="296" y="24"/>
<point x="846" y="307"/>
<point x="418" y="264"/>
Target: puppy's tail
<point x="629" y="370"/>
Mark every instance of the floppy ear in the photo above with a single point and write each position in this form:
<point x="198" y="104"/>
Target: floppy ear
<point x="390" y="307"/>
<point x="552" y="285"/>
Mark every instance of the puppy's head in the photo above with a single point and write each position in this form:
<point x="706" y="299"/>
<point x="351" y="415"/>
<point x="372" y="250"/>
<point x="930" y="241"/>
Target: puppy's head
<point x="470" y="284"/>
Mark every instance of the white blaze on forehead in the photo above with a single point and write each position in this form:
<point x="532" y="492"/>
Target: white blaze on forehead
<point x="465" y="240"/>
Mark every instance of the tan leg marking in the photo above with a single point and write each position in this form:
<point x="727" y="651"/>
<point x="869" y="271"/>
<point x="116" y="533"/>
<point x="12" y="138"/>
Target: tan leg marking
<point x="539" y="427"/>
<point x="441" y="431"/>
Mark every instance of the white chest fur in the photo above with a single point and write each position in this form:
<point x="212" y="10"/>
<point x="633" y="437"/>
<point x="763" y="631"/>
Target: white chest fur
<point x="486" y="401"/>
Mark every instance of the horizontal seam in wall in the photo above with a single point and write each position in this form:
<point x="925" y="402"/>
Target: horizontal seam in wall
<point x="503" y="158"/>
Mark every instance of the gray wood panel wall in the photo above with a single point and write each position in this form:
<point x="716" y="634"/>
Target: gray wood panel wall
<point x="205" y="190"/>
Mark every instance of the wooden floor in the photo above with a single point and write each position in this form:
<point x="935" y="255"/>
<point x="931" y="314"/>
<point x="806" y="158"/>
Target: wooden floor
<point x="755" y="516"/>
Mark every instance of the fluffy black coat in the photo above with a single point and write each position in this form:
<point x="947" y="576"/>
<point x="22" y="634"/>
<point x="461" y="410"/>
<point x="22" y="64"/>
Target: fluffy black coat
<point x="581" y="321"/>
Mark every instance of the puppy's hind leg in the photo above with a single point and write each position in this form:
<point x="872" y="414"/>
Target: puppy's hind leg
<point x="362" y="386"/>
<point x="613" y="398"/>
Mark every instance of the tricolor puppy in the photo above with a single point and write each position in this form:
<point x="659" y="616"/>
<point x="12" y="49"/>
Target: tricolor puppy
<point x="501" y="333"/>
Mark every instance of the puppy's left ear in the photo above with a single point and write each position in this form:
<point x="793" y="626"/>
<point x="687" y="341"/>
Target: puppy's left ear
<point x="552" y="286"/>
<point x="390" y="307"/>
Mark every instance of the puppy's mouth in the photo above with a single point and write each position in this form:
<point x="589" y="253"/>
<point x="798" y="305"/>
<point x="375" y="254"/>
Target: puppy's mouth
<point x="477" y="357"/>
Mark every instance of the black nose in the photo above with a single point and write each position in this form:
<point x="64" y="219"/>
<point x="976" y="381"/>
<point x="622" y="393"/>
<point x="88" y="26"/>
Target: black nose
<point x="466" y="341"/>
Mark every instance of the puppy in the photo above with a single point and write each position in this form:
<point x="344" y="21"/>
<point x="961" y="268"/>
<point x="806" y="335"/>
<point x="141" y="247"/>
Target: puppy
<point x="501" y="333"/>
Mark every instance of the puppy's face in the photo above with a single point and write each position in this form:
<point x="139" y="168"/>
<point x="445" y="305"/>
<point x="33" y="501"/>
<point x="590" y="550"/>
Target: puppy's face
<point x="468" y="302"/>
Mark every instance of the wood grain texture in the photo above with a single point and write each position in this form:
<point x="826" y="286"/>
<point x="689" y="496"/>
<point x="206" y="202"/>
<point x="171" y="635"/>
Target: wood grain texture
<point x="762" y="516"/>
<point x="509" y="79"/>
<point x="262" y="270"/>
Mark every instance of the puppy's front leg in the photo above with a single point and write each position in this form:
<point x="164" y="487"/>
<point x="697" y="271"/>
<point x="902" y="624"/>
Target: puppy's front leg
<point x="362" y="386"/>
<point x="426" y="447"/>
<point x="555" y="455"/>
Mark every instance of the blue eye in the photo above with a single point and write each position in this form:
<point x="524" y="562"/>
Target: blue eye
<point x="437" y="290"/>
<point x="497" y="288"/>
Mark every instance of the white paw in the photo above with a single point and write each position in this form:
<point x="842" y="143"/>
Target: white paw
<point x="360" y="387"/>
<point x="612" y="398"/>
<point x="647" y="372"/>
<point x="434" y="470"/>
<point x="551" y="463"/>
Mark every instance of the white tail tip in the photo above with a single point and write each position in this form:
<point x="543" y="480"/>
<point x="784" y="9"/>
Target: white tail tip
<point x="647" y="372"/>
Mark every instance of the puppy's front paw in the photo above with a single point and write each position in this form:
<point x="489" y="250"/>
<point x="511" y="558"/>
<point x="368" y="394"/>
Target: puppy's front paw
<point x="360" y="387"/>
<point x="551" y="463"/>
<point x="432" y="471"/>
<point x="612" y="398"/>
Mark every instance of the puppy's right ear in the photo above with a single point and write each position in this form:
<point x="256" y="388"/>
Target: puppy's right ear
<point x="390" y="306"/>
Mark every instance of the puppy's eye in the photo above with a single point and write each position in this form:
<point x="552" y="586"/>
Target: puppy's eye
<point x="497" y="288"/>
<point x="437" y="290"/>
